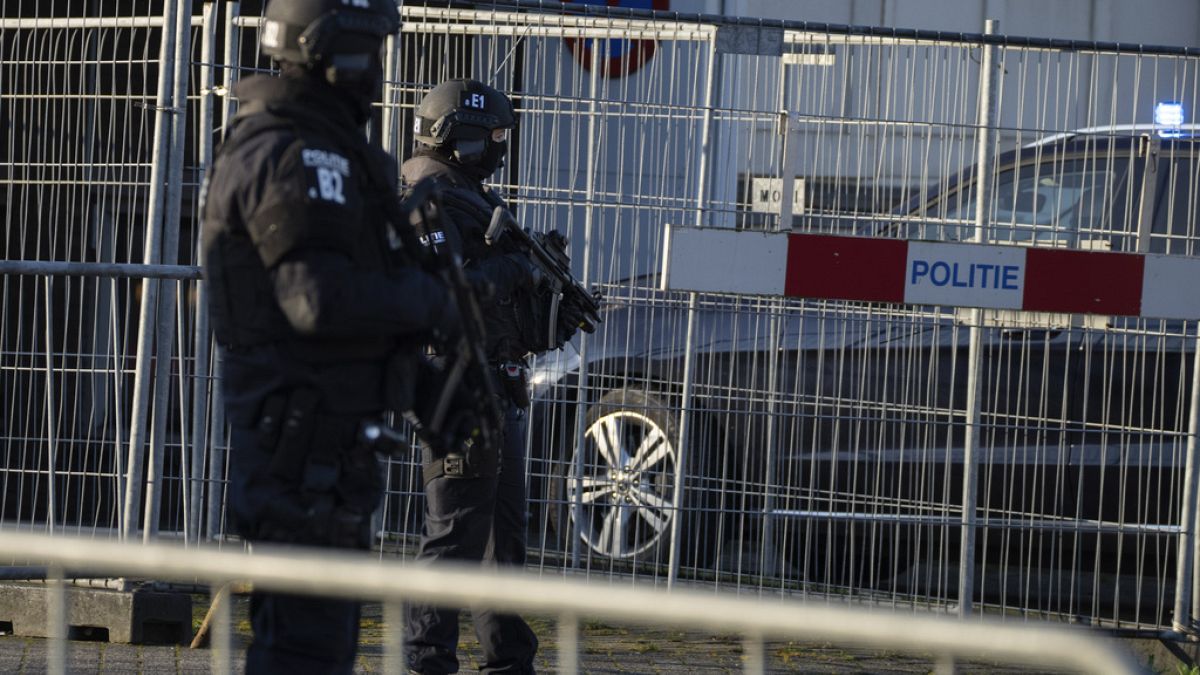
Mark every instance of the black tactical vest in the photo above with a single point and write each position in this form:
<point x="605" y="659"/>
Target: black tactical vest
<point x="244" y="311"/>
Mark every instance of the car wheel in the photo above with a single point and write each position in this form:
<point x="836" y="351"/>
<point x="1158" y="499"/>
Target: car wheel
<point x="625" y="495"/>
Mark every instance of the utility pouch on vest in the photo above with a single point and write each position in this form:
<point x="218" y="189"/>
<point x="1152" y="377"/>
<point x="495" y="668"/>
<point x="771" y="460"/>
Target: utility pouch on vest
<point x="535" y="312"/>
<point x="322" y="466"/>
<point x="270" y="421"/>
<point x="295" y="434"/>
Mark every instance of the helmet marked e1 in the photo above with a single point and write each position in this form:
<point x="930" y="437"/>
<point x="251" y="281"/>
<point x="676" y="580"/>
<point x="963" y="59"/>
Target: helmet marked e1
<point x="457" y="118"/>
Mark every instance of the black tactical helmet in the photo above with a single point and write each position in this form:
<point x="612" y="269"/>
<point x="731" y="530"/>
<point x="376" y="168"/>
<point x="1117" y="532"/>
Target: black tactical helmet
<point x="457" y="117"/>
<point x="340" y="37"/>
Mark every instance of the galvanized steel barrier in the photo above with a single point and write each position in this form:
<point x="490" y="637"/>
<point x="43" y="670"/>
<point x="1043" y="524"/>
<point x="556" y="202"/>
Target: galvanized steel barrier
<point x="997" y="462"/>
<point x="347" y="575"/>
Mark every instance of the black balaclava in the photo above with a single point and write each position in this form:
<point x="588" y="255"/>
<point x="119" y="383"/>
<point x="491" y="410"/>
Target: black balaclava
<point x="357" y="72"/>
<point x="493" y="157"/>
<point x="358" y="95"/>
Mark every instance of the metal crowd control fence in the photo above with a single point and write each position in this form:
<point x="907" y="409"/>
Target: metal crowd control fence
<point x="797" y="447"/>
<point x="97" y="193"/>
<point x="358" y="576"/>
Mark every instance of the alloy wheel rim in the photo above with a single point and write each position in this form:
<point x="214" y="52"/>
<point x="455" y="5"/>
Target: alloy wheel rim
<point x="627" y="490"/>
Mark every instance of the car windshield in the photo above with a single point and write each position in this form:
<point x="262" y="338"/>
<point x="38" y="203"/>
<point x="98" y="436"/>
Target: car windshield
<point x="1047" y="203"/>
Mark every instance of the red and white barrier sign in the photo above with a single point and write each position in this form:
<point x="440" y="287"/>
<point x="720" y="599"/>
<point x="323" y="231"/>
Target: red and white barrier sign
<point x="932" y="273"/>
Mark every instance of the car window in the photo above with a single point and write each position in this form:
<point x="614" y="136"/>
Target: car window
<point x="1050" y="203"/>
<point x="1174" y="230"/>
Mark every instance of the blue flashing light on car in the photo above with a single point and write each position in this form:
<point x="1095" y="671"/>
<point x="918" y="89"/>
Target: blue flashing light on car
<point x="1169" y="118"/>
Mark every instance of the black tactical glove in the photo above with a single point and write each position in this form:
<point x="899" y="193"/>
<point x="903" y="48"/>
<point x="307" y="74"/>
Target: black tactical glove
<point x="571" y="318"/>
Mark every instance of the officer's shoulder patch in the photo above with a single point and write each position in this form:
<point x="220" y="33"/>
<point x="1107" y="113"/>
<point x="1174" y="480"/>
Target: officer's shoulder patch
<point x="328" y="171"/>
<point x="325" y="159"/>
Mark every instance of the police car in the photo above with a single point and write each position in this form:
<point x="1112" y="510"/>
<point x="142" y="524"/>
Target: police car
<point x="847" y="425"/>
<point x="1120" y="188"/>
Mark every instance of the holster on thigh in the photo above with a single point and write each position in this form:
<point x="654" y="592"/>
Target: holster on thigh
<point x="324" y="479"/>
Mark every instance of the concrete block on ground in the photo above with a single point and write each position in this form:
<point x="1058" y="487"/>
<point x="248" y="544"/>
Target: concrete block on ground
<point x="133" y="617"/>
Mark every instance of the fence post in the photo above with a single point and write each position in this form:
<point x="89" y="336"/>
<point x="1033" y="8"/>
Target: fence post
<point x="575" y="474"/>
<point x="216" y="458"/>
<point x="568" y="644"/>
<point x="1185" y="584"/>
<point x="790" y="166"/>
<point x="165" y="331"/>
<point x="983" y="197"/>
<point x="755" y="654"/>
<point x="215" y="462"/>
<point x="390" y="112"/>
<point x="51" y="431"/>
<point x="706" y="133"/>
<point x="776" y="325"/>
<point x="232" y="58"/>
<point x="152" y="254"/>
<point x="56" y="620"/>
<point x="393" y="636"/>
<point x="201" y="345"/>
<point x="222" y="630"/>
<point x="681" y="447"/>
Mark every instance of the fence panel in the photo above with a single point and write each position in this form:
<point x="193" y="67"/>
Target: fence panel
<point x="79" y="102"/>
<point x="96" y="434"/>
<point x="814" y="447"/>
<point x="825" y="450"/>
<point x="352" y="575"/>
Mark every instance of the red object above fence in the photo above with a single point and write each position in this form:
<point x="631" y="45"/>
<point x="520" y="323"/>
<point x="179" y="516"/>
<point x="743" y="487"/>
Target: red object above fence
<point x="619" y="57"/>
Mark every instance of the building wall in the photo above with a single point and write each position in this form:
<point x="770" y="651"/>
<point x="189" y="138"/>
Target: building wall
<point x="1157" y="22"/>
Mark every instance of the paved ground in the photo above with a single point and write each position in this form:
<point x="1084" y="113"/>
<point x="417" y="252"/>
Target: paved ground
<point x="657" y="652"/>
<point x="604" y="649"/>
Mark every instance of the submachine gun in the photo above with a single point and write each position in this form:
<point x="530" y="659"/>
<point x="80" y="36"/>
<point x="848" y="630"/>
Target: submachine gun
<point x="465" y="417"/>
<point x="560" y="292"/>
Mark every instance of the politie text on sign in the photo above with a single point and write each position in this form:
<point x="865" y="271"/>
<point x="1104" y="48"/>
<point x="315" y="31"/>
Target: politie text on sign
<point x="965" y="274"/>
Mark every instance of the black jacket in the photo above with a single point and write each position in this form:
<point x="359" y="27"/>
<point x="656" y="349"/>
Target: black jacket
<point x="468" y="208"/>
<point x="306" y="288"/>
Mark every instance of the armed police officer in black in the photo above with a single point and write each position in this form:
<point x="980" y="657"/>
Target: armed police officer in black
<point x="312" y="303"/>
<point x="477" y="512"/>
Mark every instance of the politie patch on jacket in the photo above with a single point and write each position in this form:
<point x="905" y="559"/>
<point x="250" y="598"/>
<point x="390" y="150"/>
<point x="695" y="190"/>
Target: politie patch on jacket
<point x="436" y="237"/>
<point x="332" y="170"/>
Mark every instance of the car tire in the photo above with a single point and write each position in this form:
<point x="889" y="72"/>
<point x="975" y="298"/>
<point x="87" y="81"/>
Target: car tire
<point x="626" y="492"/>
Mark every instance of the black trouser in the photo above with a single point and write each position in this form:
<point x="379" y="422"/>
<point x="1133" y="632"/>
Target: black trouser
<point x="298" y="634"/>
<point x="476" y="519"/>
<point x="292" y="634"/>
